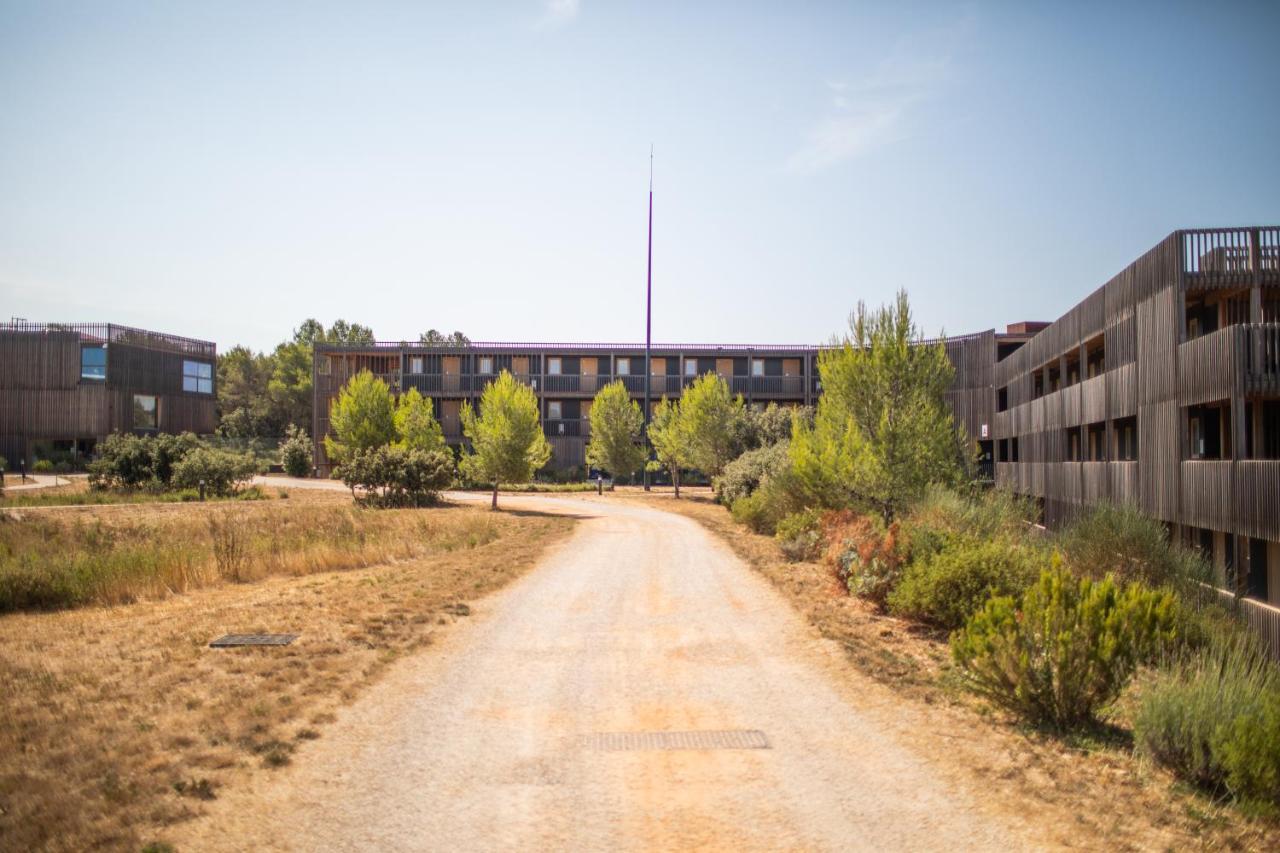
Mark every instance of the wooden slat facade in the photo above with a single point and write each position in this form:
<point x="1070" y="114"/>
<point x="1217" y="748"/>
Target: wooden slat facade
<point x="44" y="398"/>
<point x="1159" y="366"/>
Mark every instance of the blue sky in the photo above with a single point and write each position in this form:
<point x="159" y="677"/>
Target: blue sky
<point x="224" y="170"/>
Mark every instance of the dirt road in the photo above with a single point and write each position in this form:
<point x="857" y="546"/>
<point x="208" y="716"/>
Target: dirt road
<point x="614" y="698"/>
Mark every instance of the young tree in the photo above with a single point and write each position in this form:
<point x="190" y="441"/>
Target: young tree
<point x="361" y="418"/>
<point x="507" y="444"/>
<point x="416" y="424"/>
<point x="711" y="418"/>
<point x="883" y="430"/>
<point x="669" y="440"/>
<point x="616" y="431"/>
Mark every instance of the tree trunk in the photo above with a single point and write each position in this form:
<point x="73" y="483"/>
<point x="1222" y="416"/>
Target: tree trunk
<point x="675" y="481"/>
<point x="494" y="506"/>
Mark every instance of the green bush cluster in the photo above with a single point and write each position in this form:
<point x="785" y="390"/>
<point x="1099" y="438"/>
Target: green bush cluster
<point x="800" y="537"/>
<point x="1214" y="719"/>
<point x="1117" y="539"/>
<point x="744" y="475"/>
<point x="217" y="472"/>
<point x="1066" y="649"/>
<point x="398" y="477"/>
<point x="133" y="462"/>
<point x="295" y="453"/>
<point x="946" y="586"/>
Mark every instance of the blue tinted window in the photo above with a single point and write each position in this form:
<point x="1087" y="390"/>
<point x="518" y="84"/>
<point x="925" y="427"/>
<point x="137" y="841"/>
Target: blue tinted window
<point x="93" y="362"/>
<point x="197" y="377"/>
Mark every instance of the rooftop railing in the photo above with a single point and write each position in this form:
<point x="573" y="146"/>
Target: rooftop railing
<point x="110" y="333"/>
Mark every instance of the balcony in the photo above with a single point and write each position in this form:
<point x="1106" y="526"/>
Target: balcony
<point x="1230" y="257"/>
<point x="1262" y="358"/>
<point x="567" y="427"/>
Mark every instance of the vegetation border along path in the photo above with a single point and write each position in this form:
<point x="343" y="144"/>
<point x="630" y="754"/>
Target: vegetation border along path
<point x="1092" y="791"/>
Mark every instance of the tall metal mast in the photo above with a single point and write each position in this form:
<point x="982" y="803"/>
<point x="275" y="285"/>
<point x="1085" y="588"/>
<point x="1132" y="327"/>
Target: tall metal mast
<point x="648" y="324"/>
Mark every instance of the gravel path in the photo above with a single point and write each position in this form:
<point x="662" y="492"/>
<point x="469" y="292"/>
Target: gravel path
<point x="506" y="735"/>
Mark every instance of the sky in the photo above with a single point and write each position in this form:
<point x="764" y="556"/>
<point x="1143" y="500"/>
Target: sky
<point x="225" y="170"/>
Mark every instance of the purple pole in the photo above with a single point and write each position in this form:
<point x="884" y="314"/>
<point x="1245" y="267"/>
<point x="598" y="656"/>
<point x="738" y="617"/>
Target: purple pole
<point x="648" y="321"/>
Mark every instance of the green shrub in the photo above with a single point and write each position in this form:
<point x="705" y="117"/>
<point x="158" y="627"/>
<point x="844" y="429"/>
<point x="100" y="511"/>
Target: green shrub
<point x="131" y="462"/>
<point x="946" y="587"/>
<point x="394" y="476"/>
<point x="1117" y="539"/>
<point x="800" y="537"/>
<point x="1214" y="719"/>
<point x="752" y="510"/>
<point x="944" y="514"/>
<point x="295" y="453"/>
<point x="1067" y="650"/>
<point x="221" y="471"/>
<point x="42" y="466"/>
<point x="745" y="474"/>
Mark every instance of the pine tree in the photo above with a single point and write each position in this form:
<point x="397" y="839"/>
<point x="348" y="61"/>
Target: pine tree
<point x="507" y="444"/>
<point x="883" y="430"/>
<point x="616" y="431"/>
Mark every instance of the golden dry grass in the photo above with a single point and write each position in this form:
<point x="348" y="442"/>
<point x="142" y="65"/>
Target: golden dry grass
<point x="118" y="721"/>
<point x="1090" y="793"/>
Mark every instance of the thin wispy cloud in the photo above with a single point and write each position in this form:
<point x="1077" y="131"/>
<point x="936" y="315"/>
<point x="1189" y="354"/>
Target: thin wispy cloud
<point x="870" y="111"/>
<point x="558" y="13"/>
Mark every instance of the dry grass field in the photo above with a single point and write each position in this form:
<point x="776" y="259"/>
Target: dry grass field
<point x="1091" y="791"/>
<point x="118" y="721"/>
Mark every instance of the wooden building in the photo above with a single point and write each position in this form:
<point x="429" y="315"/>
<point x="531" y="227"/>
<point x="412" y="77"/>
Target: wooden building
<point x="64" y="387"/>
<point x="567" y="376"/>
<point x="1162" y="389"/>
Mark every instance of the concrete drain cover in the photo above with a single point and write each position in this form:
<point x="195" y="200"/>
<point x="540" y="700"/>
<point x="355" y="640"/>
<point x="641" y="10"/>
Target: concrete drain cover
<point x="641" y="741"/>
<point x="253" y="640"/>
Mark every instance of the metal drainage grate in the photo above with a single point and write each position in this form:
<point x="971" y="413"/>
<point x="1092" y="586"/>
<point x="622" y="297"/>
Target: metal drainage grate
<point x="640" y="741"/>
<point x="253" y="640"/>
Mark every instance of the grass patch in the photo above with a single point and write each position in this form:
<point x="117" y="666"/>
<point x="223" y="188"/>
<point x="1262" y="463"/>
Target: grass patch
<point x="119" y="722"/>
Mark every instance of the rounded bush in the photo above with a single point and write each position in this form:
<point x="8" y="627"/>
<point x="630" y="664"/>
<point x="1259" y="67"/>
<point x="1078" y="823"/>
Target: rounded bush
<point x="946" y="587"/>
<point x="1066" y="649"/>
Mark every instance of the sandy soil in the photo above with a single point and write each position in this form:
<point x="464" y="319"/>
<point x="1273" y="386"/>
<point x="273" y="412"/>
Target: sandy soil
<point x="641" y="622"/>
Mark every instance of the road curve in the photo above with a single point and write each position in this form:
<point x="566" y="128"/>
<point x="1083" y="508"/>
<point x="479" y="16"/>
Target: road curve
<point x="516" y="732"/>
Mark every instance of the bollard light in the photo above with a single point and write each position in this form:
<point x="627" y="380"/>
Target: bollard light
<point x="202" y="490"/>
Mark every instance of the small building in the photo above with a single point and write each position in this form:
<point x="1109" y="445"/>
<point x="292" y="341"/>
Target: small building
<point x="66" y="386"/>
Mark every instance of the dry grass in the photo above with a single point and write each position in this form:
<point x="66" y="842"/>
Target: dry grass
<point x="1088" y="793"/>
<point x="119" y="721"/>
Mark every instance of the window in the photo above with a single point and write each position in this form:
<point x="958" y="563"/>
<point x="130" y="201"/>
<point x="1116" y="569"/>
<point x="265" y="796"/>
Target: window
<point x="415" y="364"/>
<point x="197" y="377"/>
<point x="1097" y="450"/>
<point x="1209" y="429"/>
<point x="1126" y="433"/>
<point x="553" y="410"/>
<point x="1002" y="399"/>
<point x="757" y="367"/>
<point x="1013" y="450"/>
<point x="624" y="367"/>
<point x="1073" y="445"/>
<point x="554" y="365"/>
<point x="144" y="412"/>
<point x="93" y="363"/>
<point x="690" y="367"/>
<point x="486" y="364"/>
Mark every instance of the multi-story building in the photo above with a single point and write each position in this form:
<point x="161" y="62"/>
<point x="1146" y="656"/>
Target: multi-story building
<point x="1162" y="389"/>
<point x="566" y="378"/>
<point x="66" y="386"/>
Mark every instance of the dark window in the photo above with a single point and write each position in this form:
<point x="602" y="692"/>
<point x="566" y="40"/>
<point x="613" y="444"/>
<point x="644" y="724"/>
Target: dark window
<point x="1002" y="448"/>
<point x="197" y="377"/>
<point x="1013" y="449"/>
<point x="1126" y="433"/>
<point x="93" y="362"/>
<point x="1097" y="450"/>
<point x="1073" y="445"/>
<point x="1258" y="569"/>
<point x="144" y="412"/>
<point x="1209" y="429"/>
<point x="1037" y="385"/>
<point x="1002" y="399"/>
